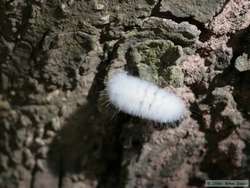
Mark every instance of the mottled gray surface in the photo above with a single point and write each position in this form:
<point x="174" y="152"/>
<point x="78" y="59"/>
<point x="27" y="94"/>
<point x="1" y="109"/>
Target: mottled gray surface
<point x="201" y="10"/>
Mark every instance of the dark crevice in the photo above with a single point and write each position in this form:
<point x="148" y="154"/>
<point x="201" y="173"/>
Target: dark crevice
<point x="103" y="35"/>
<point x="238" y="42"/>
<point x="222" y="8"/>
<point x="197" y="114"/>
<point x="26" y="12"/>
<point x="156" y="9"/>
<point x="113" y="151"/>
<point x="98" y="83"/>
<point x="214" y="166"/>
<point x="33" y="179"/>
<point x="205" y="33"/>
<point x="60" y="171"/>
<point x="35" y="53"/>
<point x="113" y="173"/>
<point x="196" y="182"/>
<point x="101" y="26"/>
<point x="38" y="46"/>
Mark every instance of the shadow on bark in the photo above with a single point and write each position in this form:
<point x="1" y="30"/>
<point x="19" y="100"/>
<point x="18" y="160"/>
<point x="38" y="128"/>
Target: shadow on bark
<point x="88" y="145"/>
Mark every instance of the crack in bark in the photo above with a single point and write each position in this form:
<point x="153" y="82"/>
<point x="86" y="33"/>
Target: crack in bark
<point x="113" y="165"/>
<point x="156" y="8"/>
<point x="33" y="179"/>
<point x="222" y="8"/>
<point x="205" y="33"/>
<point x="60" y="171"/>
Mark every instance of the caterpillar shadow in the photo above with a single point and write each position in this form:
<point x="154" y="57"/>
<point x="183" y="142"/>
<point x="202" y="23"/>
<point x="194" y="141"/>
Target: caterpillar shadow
<point x="88" y="144"/>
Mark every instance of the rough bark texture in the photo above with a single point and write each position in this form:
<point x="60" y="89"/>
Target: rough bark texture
<point x="55" y="56"/>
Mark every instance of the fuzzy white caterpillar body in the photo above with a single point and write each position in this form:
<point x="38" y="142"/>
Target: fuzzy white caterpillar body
<point x="144" y="99"/>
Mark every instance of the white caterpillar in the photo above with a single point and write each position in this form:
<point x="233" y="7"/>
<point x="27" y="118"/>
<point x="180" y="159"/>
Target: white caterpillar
<point x="144" y="99"/>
